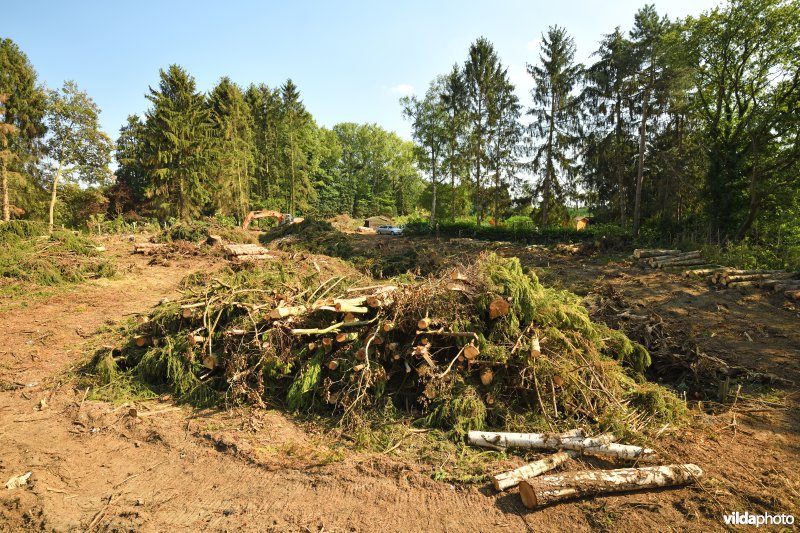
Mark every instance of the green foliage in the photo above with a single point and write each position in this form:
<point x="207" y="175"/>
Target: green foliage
<point x="300" y="395"/>
<point x="63" y="257"/>
<point x="530" y="235"/>
<point x="461" y="411"/>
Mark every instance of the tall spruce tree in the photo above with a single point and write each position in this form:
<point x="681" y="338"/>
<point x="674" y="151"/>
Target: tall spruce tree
<point x="647" y="37"/>
<point x="233" y="153"/>
<point x="297" y="139"/>
<point x="608" y="99"/>
<point x="177" y="146"/>
<point x="128" y="192"/>
<point x="556" y="112"/>
<point x="454" y="100"/>
<point x="483" y="73"/>
<point x="504" y="147"/>
<point x="21" y="128"/>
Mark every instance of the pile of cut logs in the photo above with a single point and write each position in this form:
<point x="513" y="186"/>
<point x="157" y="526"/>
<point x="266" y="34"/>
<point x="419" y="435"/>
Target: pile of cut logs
<point x="537" y="491"/>
<point x="775" y="280"/>
<point x="246" y="252"/>
<point x="670" y="259"/>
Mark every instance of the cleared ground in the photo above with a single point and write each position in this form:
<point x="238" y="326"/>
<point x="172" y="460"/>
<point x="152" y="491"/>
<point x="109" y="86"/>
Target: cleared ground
<point x="96" y="467"/>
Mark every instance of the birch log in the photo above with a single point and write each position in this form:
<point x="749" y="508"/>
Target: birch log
<point x="544" y="490"/>
<point x="507" y="480"/>
<point x="526" y="441"/>
<point x="786" y="286"/>
<point x="604" y="445"/>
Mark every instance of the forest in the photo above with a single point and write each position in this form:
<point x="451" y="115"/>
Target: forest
<point x="684" y="129"/>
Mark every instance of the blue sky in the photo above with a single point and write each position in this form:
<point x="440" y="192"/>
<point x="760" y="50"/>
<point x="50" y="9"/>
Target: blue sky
<point x="352" y="60"/>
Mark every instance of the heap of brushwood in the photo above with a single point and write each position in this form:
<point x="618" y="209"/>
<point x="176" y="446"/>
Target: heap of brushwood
<point x="483" y="345"/>
<point x="671" y="260"/>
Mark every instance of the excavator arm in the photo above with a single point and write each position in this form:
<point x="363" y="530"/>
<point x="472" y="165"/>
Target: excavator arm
<point x="253" y="215"/>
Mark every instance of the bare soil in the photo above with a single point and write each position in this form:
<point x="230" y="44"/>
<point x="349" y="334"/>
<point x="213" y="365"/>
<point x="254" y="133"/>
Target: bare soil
<point x="95" y="467"/>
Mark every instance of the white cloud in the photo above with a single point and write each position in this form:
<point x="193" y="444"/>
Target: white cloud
<point x="518" y="75"/>
<point x="403" y="89"/>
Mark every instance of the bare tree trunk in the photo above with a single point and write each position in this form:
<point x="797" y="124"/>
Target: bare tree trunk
<point x="618" y="163"/>
<point x="549" y="172"/>
<point x="433" y="181"/>
<point x="53" y="194"/>
<point x="637" y="209"/>
<point x="755" y="200"/>
<point x="6" y="204"/>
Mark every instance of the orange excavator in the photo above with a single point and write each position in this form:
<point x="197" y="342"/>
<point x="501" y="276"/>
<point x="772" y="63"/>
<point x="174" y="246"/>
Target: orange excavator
<point x="280" y="217"/>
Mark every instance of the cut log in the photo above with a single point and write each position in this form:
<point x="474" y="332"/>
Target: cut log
<point x="424" y="323"/>
<point x="701" y="271"/>
<point x="487" y="376"/>
<point x="388" y="326"/>
<point x="757" y="277"/>
<point x="533" y="441"/>
<point x="794" y="294"/>
<point x="333" y="364"/>
<point x="676" y="261"/>
<point x="347" y="337"/>
<point x="471" y="351"/>
<point x="644" y="253"/>
<point x="786" y="286"/>
<point x="507" y="480"/>
<point x="241" y="250"/>
<point x="291" y="310"/>
<point x="674" y="257"/>
<point x="770" y="282"/>
<point x="142" y="340"/>
<point x="253" y="257"/>
<point x="499" y="307"/>
<point x="603" y="445"/>
<point x="327" y="343"/>
<point x="196" y="339"/>
<point x="536" y="349"/>
<point x="457" y="334"/>
<point x="554" y="488"/>
<point x="742" y="284"/>
<point x="346" y="307"/>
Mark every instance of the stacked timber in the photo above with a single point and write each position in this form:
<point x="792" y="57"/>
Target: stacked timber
<point x="773" y="280"/>
<point x="246" y="252"/>
<point x="536" y="491"/>
<point x="148" y="248"/>
<point x="671" y="259"/>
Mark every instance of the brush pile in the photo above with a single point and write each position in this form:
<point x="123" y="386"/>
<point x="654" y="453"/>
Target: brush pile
<point x="670" y="259"/>
<point x="484" y="345"/>
<point x="29" y="254"/>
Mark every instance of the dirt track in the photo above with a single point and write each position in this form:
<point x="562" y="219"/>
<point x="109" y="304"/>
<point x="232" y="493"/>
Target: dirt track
<point x="95" y="466"/>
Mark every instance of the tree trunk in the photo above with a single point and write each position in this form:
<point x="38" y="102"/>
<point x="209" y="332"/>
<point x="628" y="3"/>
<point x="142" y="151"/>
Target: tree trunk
<point x="601" y="445"/>
<point x="6" y="203"/>
<point x="53" y="194"/>
<point x="755" y="200"/>
<point x="618" y="162"/>
<point x="507" y="480"/>
<point x="433" y="182"/>
<point x="548" y="164"/>
<point x="637" y="208"/>
<point x="554" y="488"/>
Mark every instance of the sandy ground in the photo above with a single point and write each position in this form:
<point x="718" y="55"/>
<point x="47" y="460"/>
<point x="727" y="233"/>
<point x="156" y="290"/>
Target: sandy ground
<point x="97" y="468"/>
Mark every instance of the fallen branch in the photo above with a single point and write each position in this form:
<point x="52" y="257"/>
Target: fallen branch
<point x="544" y="490"/>
<point x="507" y="480"/>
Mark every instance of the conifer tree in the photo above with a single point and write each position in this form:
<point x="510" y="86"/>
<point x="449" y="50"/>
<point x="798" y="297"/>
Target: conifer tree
<point x="21" y="127"/>
<point x="557" y="114"/>
<point x="231" y="122"/>
<point x="177" y="146"/>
